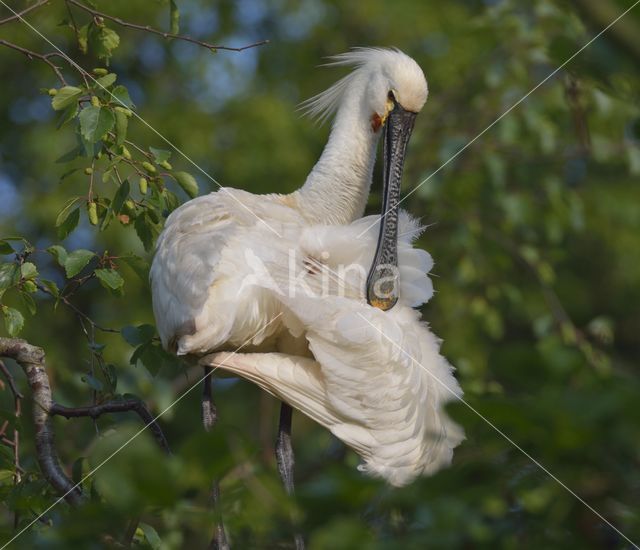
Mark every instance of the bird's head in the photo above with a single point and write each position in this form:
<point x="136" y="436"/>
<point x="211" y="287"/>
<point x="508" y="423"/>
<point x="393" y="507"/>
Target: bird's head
<point x="394" y="81"/>
<point x="383" y="79"/>
<point x="387" y="90"/>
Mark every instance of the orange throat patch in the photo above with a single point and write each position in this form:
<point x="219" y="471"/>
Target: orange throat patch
<point x="376" y="122"/>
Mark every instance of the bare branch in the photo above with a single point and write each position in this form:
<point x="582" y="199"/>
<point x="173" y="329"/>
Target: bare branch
<point x="45" y="58"/>
<point x="125" y="405"/>
<point x="147" y="28"/>
<point x="19" y="15"/>
<point x="32" y="361"/>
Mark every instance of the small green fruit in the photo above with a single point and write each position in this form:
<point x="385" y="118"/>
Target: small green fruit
<point x="149" y="167"/>
<point x="127" y="112"/>
<point x="92" y="210"/>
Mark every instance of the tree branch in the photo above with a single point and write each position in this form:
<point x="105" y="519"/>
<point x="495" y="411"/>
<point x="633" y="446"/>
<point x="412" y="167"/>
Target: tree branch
<point x="32" y="361"/>
<point x="147" y="28"/>
<point x="126" y="405"/>
<point x="34" y="55"/>
<point x="19" y="15"/>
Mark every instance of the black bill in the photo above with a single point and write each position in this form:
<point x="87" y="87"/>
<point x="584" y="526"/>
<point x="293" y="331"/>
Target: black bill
<point x="383" y="279"/>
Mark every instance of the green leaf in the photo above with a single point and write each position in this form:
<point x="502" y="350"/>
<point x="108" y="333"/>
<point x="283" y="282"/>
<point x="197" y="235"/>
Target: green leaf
<point x="70" y="155"/>
<point x="59" y="253"/>
<point x="187" y="182"/>
<point x="28" y="270"/>
<point x="102" y="41"/>
<point x="160" y="155"/>
<point x="138" y="265"/>
<point x="150" y="534"/>
<point x="28" y="302"/>
<point x="9" y="276"/>
<point x="110" y="375"/>
<point x="51" y="287"/>
<point x="122" y="194"/>
<point x="95" y="122"/>
<point x="137" y="353"/>
<point x="107" y="176"/>
<point x="65" y="97"/>
<point x="68" y="114"/>
<point x="136" y="336"/>
<point x="13" y="320"/>
<point x="76" y="261"/>
<point x="67" y="174"/>
<point x="122" y="123"/>
<point x="89" y="149"/>
<point x="174" y="17"/>
<point x="152" y="357"/>
<point x="83" y="38"/>
<point x="6" y="248"/>
<point x="69" y="224"/>
<point x="145" y="230"/>
<point x="110" y="278"/>
<point x="121" y="96"/>
<point x="64" y="213"/>
<point x="106" y="80"/>
<point x="169" y="202"/>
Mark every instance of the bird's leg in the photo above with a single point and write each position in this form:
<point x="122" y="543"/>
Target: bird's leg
<point x="284" y="450"/>
<point x="209" y="413"/>
<point x="209" y="417"/>
<point x="219" y="540"/>
<point x="284" y="457"/>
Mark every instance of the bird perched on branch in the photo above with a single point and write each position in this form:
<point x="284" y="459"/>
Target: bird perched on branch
<point x="320" y="299"/>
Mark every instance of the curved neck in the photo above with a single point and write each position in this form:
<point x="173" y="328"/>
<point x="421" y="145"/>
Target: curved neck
<point x="337" y="188"/>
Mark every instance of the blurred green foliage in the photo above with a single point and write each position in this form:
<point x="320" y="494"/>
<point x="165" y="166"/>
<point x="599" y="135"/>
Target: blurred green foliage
<point x="534" y="229"/>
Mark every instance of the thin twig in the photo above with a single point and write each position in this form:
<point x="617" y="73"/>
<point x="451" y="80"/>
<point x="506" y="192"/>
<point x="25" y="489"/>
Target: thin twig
<point x="125" y="405"/>
<point x="147" y="28"/>
<point x="78" y="312"/>
<point x="24" y="12"/>
<point x="34" y="55"/>
<point x="11" y="381"/>
<point x="72" y="20"/>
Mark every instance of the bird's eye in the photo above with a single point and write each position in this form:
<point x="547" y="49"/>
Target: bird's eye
<point x="391" y="96"/>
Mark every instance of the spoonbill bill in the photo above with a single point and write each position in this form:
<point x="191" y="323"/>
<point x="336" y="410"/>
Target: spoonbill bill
<point x="321" y="299"/>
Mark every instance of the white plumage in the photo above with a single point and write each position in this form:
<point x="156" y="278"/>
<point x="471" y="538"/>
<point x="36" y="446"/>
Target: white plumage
<point x="222" y="272"/>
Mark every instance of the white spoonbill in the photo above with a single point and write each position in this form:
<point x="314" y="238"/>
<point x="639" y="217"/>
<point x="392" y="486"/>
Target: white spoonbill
<point x="346" y="349"/>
